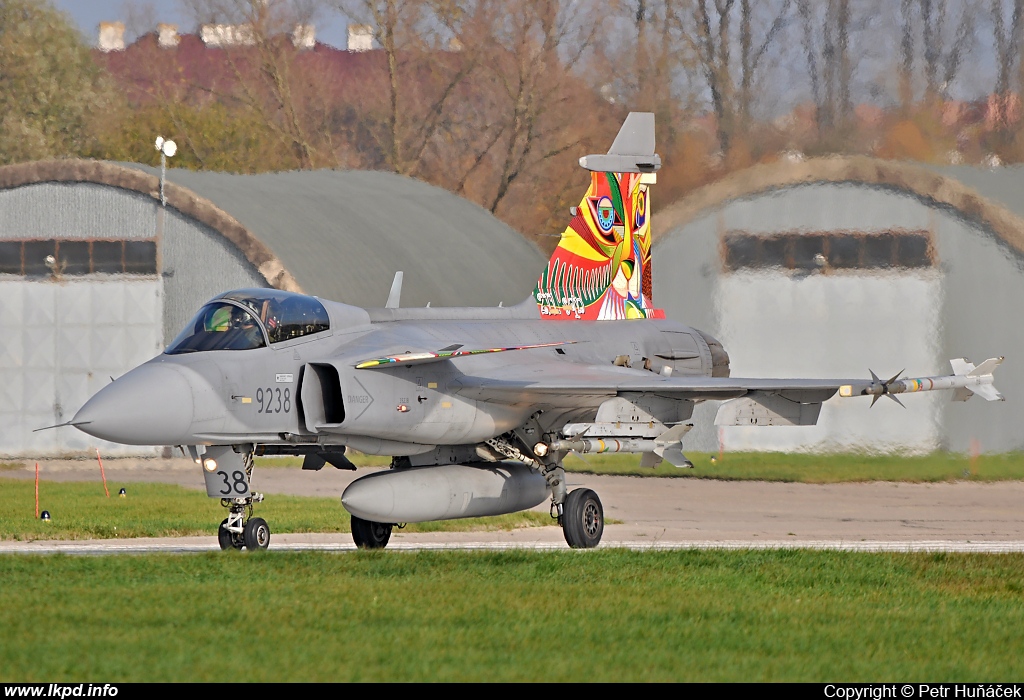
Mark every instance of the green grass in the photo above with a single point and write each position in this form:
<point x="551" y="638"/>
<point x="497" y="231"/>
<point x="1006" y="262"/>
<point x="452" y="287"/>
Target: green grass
<point x="815" y="468"/>
<point x="607" y="615"/>
<point x="357" y="458"/>
<point x="80" y="510"/>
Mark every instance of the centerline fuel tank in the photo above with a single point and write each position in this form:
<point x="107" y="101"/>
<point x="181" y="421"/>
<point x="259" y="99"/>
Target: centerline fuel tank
<point x="446" y="492"/>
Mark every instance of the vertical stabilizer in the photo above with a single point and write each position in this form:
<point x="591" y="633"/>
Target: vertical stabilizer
<point x="601" y="269"/>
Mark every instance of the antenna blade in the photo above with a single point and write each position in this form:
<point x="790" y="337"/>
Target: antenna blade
<point x="396" y="291"/>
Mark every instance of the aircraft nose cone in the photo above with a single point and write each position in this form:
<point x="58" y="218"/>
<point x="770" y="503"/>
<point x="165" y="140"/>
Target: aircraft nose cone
<point x="151" y="405"/>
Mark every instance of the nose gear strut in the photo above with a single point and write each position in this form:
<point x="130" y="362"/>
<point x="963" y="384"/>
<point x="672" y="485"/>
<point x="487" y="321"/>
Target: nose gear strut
<point x="228" y="473"/>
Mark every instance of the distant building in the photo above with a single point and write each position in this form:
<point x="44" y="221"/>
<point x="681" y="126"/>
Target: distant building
<point x="167" y="35"/>
<point x="111" y="36"/>
<point x="96" y="277"/>
<point x="833" y="266"/>
<point x="360" y="37"/>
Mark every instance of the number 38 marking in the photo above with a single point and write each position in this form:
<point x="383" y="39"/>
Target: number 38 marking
<point x="236" y="485"/>
<point x="274" y="400"/>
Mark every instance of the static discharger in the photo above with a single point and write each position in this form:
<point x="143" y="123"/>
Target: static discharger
<point x="967" y="379"/>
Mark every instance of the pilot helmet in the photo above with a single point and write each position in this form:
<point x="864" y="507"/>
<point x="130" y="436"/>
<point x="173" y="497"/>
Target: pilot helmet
<point x="240" y="316"/>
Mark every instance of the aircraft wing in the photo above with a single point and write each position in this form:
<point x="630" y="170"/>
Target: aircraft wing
<point x="545" y="381"/>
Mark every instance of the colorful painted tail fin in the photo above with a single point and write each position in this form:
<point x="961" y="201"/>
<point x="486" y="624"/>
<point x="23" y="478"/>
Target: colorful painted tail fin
<point x="601" y="269"/>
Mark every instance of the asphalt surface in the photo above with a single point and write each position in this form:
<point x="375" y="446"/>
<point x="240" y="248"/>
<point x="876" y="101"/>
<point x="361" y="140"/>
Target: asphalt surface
<point x="654" y="513"/>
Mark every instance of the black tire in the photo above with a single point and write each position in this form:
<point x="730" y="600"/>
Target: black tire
<point x="370" y="535"/>
<point x="256" y="534"/>
<point x="228" y="539"/>
<point x="582" y="519"/>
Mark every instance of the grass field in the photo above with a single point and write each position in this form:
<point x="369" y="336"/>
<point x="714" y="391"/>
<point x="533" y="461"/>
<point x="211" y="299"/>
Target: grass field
<point x="816" y="468"/>
<point x="781" y="466"/>
<point x="606" y="615"/>
<point x="81" y="510"/>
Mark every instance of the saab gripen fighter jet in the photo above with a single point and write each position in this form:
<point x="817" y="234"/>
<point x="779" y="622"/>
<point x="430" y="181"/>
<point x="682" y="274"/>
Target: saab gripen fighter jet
<point x="476" y="406"/>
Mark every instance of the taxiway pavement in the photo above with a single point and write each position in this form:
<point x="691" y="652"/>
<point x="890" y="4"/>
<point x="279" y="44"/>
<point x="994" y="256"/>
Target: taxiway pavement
<point x="658" y="513"/>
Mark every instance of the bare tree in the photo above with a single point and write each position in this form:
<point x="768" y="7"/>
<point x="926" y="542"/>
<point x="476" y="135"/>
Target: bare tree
<point x="431" y="47"/>
<point x="938" y="36"/>
<point x="1006" y="32"/>
<point x="536" y="46"/>
<point x="826" y="41"/>
<point x="262" y="47"/>
<point x="731" y="85"/>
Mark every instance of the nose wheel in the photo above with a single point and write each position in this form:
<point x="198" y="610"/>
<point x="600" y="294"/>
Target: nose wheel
<point x="256" y="534"/>
<point x="228" y="474"/>
<point x="238" y="532"/>
<point x="227" y="538"/>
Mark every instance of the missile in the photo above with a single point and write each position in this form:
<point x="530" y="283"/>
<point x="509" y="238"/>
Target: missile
<point x="599" y="445"/>
<point x="666" y="445"/>
<point x="967" y="379"/>
<point x="419" y="494"/>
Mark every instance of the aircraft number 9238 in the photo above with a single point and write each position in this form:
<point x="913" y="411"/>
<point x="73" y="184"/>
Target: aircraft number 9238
<point x="274" y="400"/>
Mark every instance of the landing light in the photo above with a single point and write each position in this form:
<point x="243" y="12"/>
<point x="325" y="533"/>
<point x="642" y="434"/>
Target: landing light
<point x="540" y="449"/>
<point x="210" y="465"/>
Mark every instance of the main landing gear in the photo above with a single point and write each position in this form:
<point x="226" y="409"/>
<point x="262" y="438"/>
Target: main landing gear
<point x="579" y="512"/>
<point x="582" y="519"/>
<point x="370" y="535"/>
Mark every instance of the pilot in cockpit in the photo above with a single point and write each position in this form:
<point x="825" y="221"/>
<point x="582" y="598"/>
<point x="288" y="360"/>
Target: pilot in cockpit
<point x="244" y="324"/>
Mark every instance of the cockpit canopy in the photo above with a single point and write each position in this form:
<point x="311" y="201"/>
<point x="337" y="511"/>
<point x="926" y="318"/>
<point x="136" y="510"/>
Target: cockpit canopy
<point x="250" y="318"/>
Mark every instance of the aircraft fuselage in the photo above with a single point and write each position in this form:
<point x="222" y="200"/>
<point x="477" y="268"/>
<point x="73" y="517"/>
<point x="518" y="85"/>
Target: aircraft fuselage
<point x="307" y="390"/>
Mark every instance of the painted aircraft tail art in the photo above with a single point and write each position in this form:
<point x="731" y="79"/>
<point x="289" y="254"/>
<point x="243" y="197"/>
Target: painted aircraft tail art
<point x="601" y="269"/>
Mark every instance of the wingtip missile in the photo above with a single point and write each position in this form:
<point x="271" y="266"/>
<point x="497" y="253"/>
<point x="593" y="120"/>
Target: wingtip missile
<point x="966" y="380"/>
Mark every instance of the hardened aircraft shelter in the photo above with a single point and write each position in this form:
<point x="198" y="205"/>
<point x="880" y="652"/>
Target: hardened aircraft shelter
<point x="833" y="266"/>
<point x="97" y="275"/>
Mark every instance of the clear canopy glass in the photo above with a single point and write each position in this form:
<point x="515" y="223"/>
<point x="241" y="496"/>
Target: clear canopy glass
<point x="285" y="315"/>
<point x="219" y="326"/>
<point x="249" y="318"/>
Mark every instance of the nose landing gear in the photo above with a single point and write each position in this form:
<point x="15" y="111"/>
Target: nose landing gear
<point x="240" y="529"/>
<point x="228" y="473"/>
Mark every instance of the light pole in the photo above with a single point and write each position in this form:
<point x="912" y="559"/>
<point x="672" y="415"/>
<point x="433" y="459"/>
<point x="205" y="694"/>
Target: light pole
<point x="167" y="150"/>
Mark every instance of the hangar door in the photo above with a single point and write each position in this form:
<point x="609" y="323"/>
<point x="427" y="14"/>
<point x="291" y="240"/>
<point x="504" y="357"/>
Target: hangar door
<point x="61" y="342"/>
<point x="835" y="304"/>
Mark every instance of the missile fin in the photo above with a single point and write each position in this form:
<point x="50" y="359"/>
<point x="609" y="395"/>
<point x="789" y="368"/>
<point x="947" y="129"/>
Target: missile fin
<point x="962" y="394"/>
<point x="988" y="392"/>
<point x="650" y="460"/>
<point x="986" y="367"/>
<point x="674" y="454"/>
<point x="961" y="366"/>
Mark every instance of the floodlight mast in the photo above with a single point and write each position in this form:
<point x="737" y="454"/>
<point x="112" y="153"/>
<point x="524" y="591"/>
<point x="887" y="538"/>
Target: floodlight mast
<point x="167" y="150"/>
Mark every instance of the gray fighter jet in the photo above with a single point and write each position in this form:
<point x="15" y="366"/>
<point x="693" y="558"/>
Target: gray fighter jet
<point x="476" y="406"/>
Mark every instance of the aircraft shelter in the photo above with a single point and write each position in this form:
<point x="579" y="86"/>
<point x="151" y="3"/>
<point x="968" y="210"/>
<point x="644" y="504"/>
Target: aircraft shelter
<point x="829" y="267"/>
<point x="98" y="276"/>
